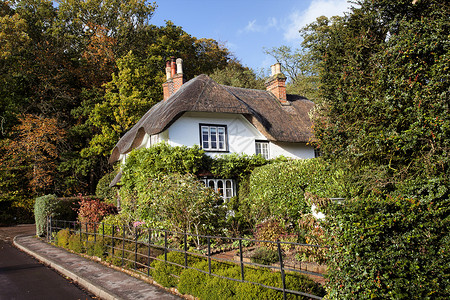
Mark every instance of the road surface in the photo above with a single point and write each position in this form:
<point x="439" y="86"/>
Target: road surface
<point x="23" y="277"/>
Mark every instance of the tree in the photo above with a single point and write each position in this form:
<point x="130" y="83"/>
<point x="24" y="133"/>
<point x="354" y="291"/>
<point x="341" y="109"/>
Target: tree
<point x="35" y="150"/>
<point x="300" y="69"/>
<point x="237" y="75"/>
<point x="385" y="89"/>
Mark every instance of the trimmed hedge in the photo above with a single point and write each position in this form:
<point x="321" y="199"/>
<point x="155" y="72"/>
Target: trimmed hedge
<point x="389" y="248"/>
<point x="206" y="286"/>
<point x="277" y="190"/>
<point x="58" y="208"/>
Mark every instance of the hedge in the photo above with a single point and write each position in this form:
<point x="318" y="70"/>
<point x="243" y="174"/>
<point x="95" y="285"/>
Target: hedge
<point x="59" y="208"/>
<point x="206" y="286"/>
<point x="389" y="248"/>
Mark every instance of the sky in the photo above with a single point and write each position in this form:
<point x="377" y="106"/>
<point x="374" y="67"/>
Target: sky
<point x="247" y="27"/>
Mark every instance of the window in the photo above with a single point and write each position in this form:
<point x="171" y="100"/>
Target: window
<point x="213" y="137"/>
<point x="225" y="187"/>
<point x="262" y="148"/>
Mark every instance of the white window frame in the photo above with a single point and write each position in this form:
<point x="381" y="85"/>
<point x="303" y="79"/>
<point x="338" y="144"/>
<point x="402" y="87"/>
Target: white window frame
<point x="226" y="188"/>
<point x="214" y="137"/>
<point x="259" y="145"/>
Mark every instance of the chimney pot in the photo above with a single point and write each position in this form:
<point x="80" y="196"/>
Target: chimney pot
<point x="179" y="66"/>
<point x="272" y="68"/>
<point x="277" y="68"/>
<point x="173" y="66"/>
<point x="168" y="76"/>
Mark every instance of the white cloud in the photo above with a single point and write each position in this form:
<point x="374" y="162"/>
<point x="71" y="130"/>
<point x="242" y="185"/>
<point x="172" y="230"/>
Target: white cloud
<point x="317" y="8"/>
<point x="253" y="26"/>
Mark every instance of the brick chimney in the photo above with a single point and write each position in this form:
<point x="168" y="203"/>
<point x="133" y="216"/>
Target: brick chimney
<point x="276" y="84"/>
<point x="174" y="77"/>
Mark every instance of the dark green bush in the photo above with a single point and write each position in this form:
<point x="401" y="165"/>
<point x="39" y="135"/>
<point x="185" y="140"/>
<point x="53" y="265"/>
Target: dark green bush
<point x="162" y="270"/>
<point x="280" y="195"/>
<point x="389" y="248"/>
<point x="104" y="191"/>
<point x="206" y="286"/>
<point x="265" y="256"/>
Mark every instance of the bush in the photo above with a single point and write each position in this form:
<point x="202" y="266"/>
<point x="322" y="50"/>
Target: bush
<point x="93" y="211"/>
<point x="389" y="248"/>
<point x="103" y="191"/>
<point x="62" y="238"/>
<point x="52" y="206"/>
<point x="280" y="195"/>
<point x="204" y="286"/>
<point x="162" y="270"/>
<point x="44" y="207"/>
<point x="265" y="256"/>
<point x="75" y="244"/>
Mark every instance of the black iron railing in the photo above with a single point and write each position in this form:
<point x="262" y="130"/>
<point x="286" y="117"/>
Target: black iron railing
<point x="136" y="247"/>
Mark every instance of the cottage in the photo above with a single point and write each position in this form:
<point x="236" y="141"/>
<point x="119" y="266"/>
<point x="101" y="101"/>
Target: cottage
<point x="224" y="119"/>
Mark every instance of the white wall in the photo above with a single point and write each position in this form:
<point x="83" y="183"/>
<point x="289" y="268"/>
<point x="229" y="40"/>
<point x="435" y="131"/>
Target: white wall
<point x="293" y="150"/>
<point x="241" y="135"/>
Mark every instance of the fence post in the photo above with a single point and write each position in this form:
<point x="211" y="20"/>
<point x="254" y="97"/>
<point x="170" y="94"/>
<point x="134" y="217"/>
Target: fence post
<point x="87" y="235"/>
<point x="165" y="245"/>
<point x="95" y="232"/>
<point x="112" y="240"/>
<point x="209" y="254"/>
<point x="148" y="256"/>
<point x="135" y="247"/>
<point x="123" y="243"/>
<point x="81" y="234"/>
<point x="283" y="279"/>
<point x="103" y="231"/>
<point x="185" y="250"/>
<point x="241" y="259"/>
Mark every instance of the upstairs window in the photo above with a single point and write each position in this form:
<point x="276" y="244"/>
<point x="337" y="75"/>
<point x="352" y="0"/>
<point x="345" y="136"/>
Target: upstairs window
<point x="213" y="137"/>
<point x="262" y="147"/>
<point x="224" y="187"/>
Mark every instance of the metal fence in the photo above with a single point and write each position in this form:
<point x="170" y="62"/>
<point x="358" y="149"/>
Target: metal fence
<point x="137" y="247"/>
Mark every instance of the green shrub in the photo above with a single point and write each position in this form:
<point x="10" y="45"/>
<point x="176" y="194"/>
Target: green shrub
<point x="206" y="286"/>
<point x="280" y="195"/>
<point x="52" y="206"/>
<point x="389" y="248"/>
<point x="162" y="270"/>
<point x="104" y="191"/>
<point x="75" y="244"/>
<point x="62" y="238"/>
<point x="265" y="256"/>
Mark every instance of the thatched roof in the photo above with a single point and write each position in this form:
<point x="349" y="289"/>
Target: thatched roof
<point x="279" y="123"/>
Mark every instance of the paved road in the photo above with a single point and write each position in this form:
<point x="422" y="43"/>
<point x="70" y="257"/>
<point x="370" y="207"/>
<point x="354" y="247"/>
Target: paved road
<point x="23" y="277"/>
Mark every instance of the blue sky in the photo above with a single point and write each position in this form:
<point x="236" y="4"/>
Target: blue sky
<point x="246" y="27"/>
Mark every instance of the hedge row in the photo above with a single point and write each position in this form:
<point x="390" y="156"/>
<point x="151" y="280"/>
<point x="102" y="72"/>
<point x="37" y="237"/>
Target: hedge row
<point x="205" y="286"/>
<point x="52" y="206"/>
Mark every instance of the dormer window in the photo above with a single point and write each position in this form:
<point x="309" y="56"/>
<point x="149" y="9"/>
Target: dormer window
<point x="213" y="137"/>
<point x="262" y="147"/>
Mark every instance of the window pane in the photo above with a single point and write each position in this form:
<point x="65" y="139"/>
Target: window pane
<point x="205" y="137"/>
<point x="220" y="187"/>
<point x="221" y="137"/>
<point x="211" y="184"/>
<point x="213" y="131"/>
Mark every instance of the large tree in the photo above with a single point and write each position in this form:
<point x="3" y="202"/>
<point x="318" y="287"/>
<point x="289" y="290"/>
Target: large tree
<point x="385" y="88"/>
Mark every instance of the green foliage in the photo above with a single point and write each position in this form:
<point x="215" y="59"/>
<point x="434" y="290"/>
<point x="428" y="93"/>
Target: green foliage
<point x="158" y="160"/>
<point x="62" y="238"/>
<point x="103" y="191"/>
<point x="281" y="194"/>
<point x="236" y="165"/>
<point x="237" y="75"/>
<point x="44" y="207"/>
<point x="265" y="256"/>
<point x="177" y="202"/>
<point x="385" y="90"/>
<point x="205" y="286"/>
<point x="389" y="248"/>
<point x="75" y="244"/>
